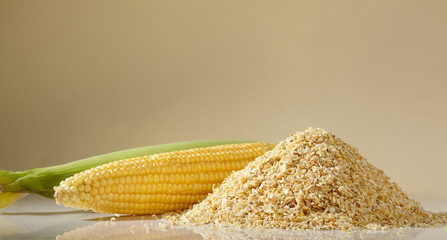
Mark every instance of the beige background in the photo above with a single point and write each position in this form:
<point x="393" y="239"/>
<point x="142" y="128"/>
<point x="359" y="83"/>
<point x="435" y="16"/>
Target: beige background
<point x="82" y="78"/>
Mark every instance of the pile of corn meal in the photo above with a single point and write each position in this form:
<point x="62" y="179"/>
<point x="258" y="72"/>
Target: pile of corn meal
<point x="311" y="180"/>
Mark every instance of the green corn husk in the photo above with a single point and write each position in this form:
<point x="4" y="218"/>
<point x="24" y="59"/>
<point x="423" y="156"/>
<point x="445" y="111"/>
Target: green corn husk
<point x="42" y="180"/>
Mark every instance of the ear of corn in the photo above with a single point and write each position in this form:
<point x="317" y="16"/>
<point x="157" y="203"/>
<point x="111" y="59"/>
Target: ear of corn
<point x="157" y="183"/>
<point x="42" y="180"/>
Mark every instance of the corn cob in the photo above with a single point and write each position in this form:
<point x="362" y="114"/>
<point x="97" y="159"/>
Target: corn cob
<point x="157" y="183"/>
<point x="42" y="180"/>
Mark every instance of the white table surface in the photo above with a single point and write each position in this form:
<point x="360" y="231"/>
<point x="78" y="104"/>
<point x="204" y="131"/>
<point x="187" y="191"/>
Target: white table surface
<point x="34" y="217"/>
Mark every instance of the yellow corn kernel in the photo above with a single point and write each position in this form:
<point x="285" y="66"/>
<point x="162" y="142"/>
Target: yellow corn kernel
<point x="156" y="184"/>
